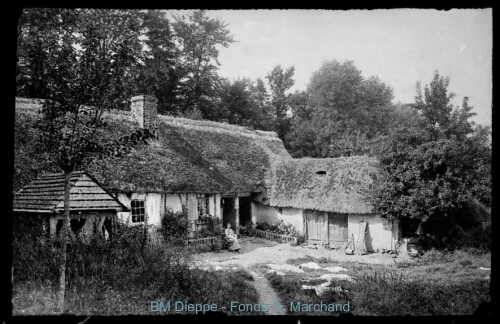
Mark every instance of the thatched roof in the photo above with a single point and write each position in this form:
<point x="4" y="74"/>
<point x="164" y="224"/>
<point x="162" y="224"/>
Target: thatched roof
<point x="331" y="185"/>
<point x="195" y="156"/>
<point x="46" y="195"/>
<point x="190" y="156"/>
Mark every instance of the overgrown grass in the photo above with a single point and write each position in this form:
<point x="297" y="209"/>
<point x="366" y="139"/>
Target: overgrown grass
<point x="122" y="276"/>
<point x="439" y="283"/>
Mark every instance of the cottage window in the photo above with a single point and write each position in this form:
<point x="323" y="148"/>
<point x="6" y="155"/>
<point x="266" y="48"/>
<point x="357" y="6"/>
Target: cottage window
<point x="203" y="204"/>
<point x="138" y="211"/>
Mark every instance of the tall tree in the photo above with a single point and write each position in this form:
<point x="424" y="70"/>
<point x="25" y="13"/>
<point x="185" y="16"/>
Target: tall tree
<point x="84" y="73"/>
<point x="159" y="70"/>
<point x="280" y="81"/>
<point x="346" y="111"/>
<point x="108" y="34"/>
<point x="264" y="115"/>
<point x="37" y="30"/>
<point x="198" y="37"/>
<point x="242" y="103"/>
<point x="430" y="168"/>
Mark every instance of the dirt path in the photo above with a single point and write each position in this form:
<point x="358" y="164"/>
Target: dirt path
<point x="256" y="250"/>
<point x="260" y="251"/>
<point x="267" y="295"/>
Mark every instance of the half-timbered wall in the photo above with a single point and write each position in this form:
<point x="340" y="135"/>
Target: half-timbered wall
<point x="156" y="204"/>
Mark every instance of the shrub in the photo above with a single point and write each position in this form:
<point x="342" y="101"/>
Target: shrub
<point x="217" y="245"/>
<point x="263" y="226"/>
<point x="203" y="248"/>
<point x="478" y="238"/>
<point x="118" y="276"/>
<point x="175" y="226"/>
<point x="214" y="227"/>
<point x="280" y="227"/>
<point x="247" y="228"/>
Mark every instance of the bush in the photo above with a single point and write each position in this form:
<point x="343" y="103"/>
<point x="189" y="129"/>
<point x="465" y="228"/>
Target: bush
<point x="118" y="276"/>
<point x="214" y="227"/>
<point x="263" y="226"/>
<point x="247" y="228"/>
<point x="478" y="238"/>
<point x="175" y="226"/>
<point x="217" y="245"/>
<point x="35" y="255"/>
<point x="124" y="262"/>
<point x="280" y="227"/>
<point x="203" y="248"/>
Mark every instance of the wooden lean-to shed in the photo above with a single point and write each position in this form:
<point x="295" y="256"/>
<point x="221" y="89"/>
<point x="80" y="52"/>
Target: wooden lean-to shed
<point x="92" y="208"/>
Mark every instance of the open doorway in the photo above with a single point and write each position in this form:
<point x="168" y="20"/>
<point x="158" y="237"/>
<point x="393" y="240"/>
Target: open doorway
<point x="245" y="214"/>
<point x="228" y="212"/>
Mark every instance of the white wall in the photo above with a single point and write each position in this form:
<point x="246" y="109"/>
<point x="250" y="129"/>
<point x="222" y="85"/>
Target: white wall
<point x="152" y="206"/>
<point x="153" y="209"/>
<point x="271" y="215"/>
<point x="174" y="201"/>
<point x="383" y="234"/>
<point x="214" y="206"/>
<point x="156" y="205"/>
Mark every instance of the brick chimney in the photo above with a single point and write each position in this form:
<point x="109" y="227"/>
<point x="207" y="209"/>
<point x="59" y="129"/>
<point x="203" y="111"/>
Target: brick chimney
<point x="144" y="110"/>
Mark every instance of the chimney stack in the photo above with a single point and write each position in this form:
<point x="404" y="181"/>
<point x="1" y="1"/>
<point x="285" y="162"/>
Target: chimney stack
<point x="144" y="110"/>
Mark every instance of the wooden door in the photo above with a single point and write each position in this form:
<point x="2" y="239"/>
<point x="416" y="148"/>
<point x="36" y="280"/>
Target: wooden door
<point x="316" y="226"/>
<point x="337" y="227"/>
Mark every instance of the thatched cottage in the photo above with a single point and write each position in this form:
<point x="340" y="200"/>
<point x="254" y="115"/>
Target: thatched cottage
<point x="205" y="167"/>
<point x="324" y="198"/>
<point x="202" y="166"/>
<point x="236" y="174"/>
<point x="92" y="208"/>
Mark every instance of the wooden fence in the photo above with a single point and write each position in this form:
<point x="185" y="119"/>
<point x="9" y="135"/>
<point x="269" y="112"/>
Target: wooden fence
<point x="158" y="239"/>
<point x="273" y="236"/>
<point x="204" y="240"/>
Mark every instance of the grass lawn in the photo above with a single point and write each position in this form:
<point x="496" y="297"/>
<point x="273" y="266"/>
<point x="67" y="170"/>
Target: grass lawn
<point x="438" y="283"/>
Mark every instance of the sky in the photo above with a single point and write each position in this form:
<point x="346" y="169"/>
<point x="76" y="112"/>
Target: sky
<point x="400" y="46"/>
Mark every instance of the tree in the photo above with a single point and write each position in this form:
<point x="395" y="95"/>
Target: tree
<point x="108" y="34"/>
<point x="84" y="73"/>
<point x="198" y="37"/>
<point x="243" y="103"/>
<point x="280" y="81"/>
<point x="264" y="115"/>
<point x="434" y="166"/>
<point x="347" y="112"/>
<point x="159" y="70"/>
<point x="37" y="29"/>
<point x="439" y="117"/>
<point x="301" y="139"/>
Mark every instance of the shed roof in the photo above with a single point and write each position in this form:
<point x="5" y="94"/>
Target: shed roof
<point x="46" y="195"/>
<point x="331" y="185"/>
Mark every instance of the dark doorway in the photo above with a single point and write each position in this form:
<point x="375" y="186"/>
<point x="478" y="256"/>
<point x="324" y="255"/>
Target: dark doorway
<point x="228" y="212"/>
<point x="245" y="215"/>
<point x="77" y="224"/>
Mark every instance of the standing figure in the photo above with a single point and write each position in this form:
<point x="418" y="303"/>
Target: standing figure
<point x="232" y="239"/>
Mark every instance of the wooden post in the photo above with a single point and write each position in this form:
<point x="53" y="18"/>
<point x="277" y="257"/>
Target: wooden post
<point x="237" y="215"/>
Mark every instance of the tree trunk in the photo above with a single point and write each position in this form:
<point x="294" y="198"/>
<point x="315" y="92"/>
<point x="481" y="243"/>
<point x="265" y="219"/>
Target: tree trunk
<point x="64" y="243"/>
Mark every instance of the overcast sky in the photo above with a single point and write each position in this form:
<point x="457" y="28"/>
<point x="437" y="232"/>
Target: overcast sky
<point x="401" y="46"/>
